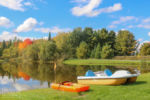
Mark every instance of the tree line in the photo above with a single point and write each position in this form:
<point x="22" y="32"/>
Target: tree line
<point x="80" y="43"/>
<point x="89" y="43"/>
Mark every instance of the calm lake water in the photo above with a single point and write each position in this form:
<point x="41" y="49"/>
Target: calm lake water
<point x="25" y="76"/>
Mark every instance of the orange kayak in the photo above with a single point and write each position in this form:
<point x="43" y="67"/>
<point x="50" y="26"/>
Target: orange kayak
<point x="70" y="87"/>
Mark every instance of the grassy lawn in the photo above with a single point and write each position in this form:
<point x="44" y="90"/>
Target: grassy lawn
<point x="137" y="91"/>
<point x="105" y="62"/>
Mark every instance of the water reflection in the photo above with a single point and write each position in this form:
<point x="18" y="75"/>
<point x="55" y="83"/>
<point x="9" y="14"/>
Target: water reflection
<point x="25" y="76"/>
<point x="10" y="85"/>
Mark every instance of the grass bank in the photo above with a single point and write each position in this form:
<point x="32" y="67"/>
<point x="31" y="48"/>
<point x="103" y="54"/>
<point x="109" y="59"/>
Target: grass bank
<point x="106" y="62"/>
<point x="137" y="91"/>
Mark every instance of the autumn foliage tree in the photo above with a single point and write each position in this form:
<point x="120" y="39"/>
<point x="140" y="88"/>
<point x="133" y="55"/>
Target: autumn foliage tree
<point x="24" y="44"/>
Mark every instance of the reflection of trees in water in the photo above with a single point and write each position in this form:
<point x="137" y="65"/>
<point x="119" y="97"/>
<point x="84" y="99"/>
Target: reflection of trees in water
<point x="2" y="72"/>
<point x="65" y="73"/>
<point x="10" y="69"/>
<point x="29" y="68"/>
<point x="42" y="72"/>
<point x="46" y="72"/>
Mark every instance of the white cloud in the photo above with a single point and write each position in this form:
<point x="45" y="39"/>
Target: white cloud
<point x="80" y="1"/>
<point x="147" y="26"/>
<point x="131" y="22"/>
<point x="18" y="5"/>
<point x="5" y="22"/>
<point x="27" y="25"/>
<point x="12" y="4"/>
<point x="90" y="11"/>
<point x="5" y="35"/>
<point x="5" y="80"/>
<point x="41" y="23"/>
<point x="148" y="33"/>
<point x="122" y="20"/>
<point x="145" y="23"/>
<point x="147" y="20"/>
<point x="43" y="30"/>
<point x="130" y="26"/>
<point x="52" y="30"/>
<point x="112" y="26"/>
<point x="31" y="23"/>
<point x="114" y="8"/>
<point x="28" y="4"/>
<point x="140" y="40"/>
<point x="8" y="36"/>
<point x="87" y="9"/>
<point x="123" y="29"/>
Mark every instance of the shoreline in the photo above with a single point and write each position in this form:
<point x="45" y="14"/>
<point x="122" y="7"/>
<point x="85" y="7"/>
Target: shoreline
<point x="110" y="62"/>
<point x="128" y="91"/>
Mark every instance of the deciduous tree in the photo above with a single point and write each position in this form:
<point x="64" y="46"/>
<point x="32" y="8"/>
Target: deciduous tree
<point x="82" y="50"/>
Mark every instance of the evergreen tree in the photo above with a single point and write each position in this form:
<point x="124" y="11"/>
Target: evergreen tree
<point x="1" y="51"/>
<point x="93" y="53"/>
<point x="49" y="36"/>
<point x="98" y="51"/>
<point x="9" y="43"/>
<point x="3" y="44"/>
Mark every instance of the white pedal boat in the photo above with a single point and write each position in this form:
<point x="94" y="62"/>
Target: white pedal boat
<point x="118" y="78"/>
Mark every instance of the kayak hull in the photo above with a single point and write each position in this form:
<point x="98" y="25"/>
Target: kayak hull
<point x="117" y="81"/>
<point x="73" y="88"/>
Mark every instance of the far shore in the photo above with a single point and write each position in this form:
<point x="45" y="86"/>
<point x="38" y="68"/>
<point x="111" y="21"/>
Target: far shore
<point x="106" y="62"/>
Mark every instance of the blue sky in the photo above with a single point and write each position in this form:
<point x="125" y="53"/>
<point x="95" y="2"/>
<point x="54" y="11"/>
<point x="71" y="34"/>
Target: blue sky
<point x="35" y="18"/>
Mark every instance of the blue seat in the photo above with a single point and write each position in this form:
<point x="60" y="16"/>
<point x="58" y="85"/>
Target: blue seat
<point x="89" y="73"/>
<point x="108" y="72"/>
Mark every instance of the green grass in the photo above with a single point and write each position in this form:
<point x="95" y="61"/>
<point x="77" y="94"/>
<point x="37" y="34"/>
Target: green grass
<point x="104" y="62"/>
<point x="137" y="91"/>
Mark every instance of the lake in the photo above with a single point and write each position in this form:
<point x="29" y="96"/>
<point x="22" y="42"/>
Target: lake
<point x="16" y="77"/>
